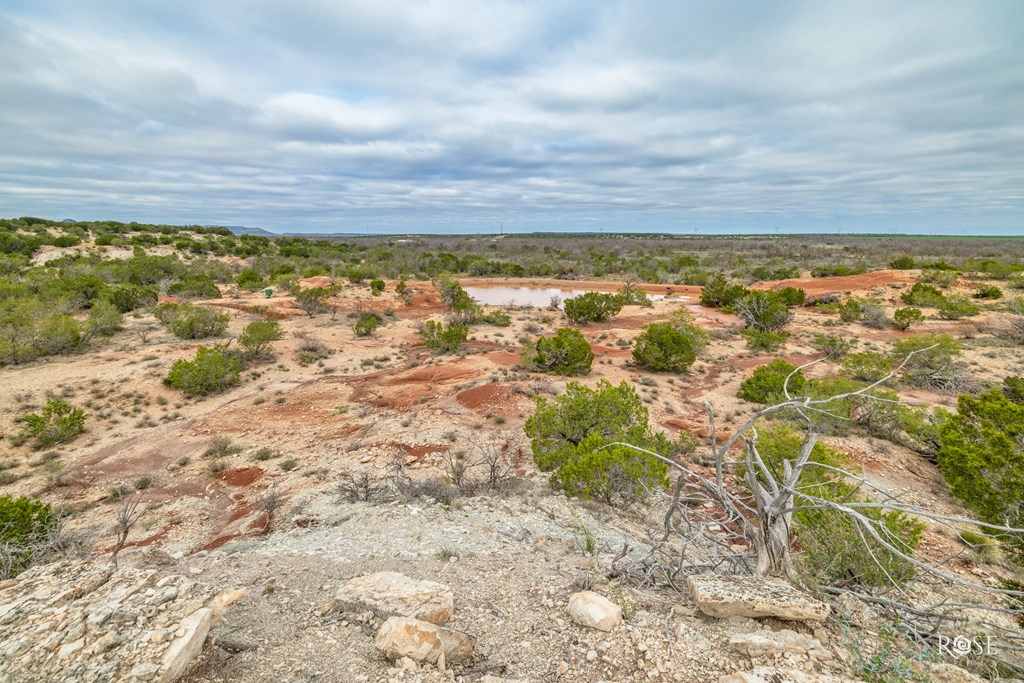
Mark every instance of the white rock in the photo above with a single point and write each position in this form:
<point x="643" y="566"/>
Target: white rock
<point x="746" y="596"/>
<point x="184" y="648"/>
<point x="422" y="641"/>
<point x="770" y="643"/>
<point x="594" y="611"/>
<point x="390" y="594"/>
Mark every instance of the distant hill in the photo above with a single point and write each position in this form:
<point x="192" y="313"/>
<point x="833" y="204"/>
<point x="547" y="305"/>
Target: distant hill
<point x="243" y="230"/>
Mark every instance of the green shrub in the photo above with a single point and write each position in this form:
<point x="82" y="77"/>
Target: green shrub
<point x="903" y="262"/>
<point x="497" y="318"/>
<point x="942" y="278"/>
<point x="376" y="287"/>
<point x="313" y="300"/>
<point x="851" y="311"/>
<point x="25" y="524"/>
<point x="58" y="334"/>
<point x="1017" y="281"/>
<point x="765" y="384"/>
<point x="104" y="320"/>
<point x="931" y="367"/>
<point x="719" y="293"/>
<point x="401" y="287"/>
<point x="957" y="306"/>
<point x="186" y="321"/>
<point x="835" y="550"/>
<point x="209" y="372"/>
<point x="792" y="296"/>
<point x="572" y="431"/>
<point x="127" y="298"/>
<point x="663" y="347"/>
<point x="195" y="286"/>
<point x="903" y="318"/>
<point x="567" y="353"/>
<point x="366" y="324"/>
<point x="867" y="366"/>
<point x="763" y="311"/>
<point x="250" y="280"/>
<point x="631" y="296"/>
<point x="592" y="307"/>
<point x="922" y="295"/>
<point x="763" y="341"/>
<point x="981" y="457"/>
<point x="988" y="292"/>
<point x="257" y="336"/>
<point x="58" y="422"/>
<point x="836" y="270"/>
<point x="443" y="339"/>
<point x="833" y="345"/>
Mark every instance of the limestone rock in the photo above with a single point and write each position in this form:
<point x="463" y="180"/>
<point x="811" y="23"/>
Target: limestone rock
<point x="772" y="643"/>
<point x="422" y="641"/>
<point x="390" y="594"/>
<point x="102" y="625"/>
<point x="745" y="596"/>
<point x="765" y="674"/>
<point x="594" y="611"/>
<point x="950" y="673"/>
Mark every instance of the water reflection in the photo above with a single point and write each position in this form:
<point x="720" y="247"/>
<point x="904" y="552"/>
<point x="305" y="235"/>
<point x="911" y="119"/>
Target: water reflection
<point x="538" y="297"/>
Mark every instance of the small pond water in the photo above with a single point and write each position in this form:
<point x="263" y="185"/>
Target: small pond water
<point x="538" y="297"/>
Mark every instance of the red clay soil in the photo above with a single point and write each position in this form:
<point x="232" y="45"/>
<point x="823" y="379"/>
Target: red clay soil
<point x="496" y="398"/>
<point x="316" y="281"/>
<point x="504" y="358"/>
<point x="243" y="476"/>
<point x="816" y="286"/>
<point x="592" y="285"/>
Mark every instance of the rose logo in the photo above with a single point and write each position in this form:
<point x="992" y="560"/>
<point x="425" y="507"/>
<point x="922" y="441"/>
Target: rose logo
<point x="962" y="645"/>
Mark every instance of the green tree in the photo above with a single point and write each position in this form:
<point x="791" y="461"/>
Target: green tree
<point x="58" y="334"/>
<point x="763" y="311"/>
<point x="196" y="322"/>
<point x="376" y="287"/>
<point x="25" y="524"/>
<point x="313" y="300"/>
<point x="250" y="280"/>
<point x="104" y="320"/>
<point x="567" y="353"/>
<point x="662" y="347"/>
<point x="720" y="293"/>
<point x="366" y="324"/>
<point x="981" y="457"/>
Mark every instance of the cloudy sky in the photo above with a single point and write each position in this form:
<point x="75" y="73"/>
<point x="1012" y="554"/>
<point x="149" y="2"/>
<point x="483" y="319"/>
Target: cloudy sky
<point x="463" y="116"/>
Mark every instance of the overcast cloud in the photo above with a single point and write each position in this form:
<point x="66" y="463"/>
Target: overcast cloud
<point x="460" y="115"/>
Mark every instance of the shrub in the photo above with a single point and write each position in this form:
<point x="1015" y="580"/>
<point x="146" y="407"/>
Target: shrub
<point x="922" y="295"/>
<point x="127" y="298"/>
<point x="719" y="293"/>
<point x="104" y="320"/>
<point x="867" y="366"/>
<point x="497" y="318"/>
<point x="662" y="347"/>
<point x="58" y="422"/>
<point x="25" y="524"/>
<point x="835" y="551"/>
<point x="441" y="339"/>
<point x="942" y="278"/>
<point x="401" y="287"/>
<point x="592" y="307"/>
<point x="764" y="341"/>
<point x="836" y="270"/>
<point x="833" y="345"/>
<point x="366" y="324"/>
<point x="765" y="384"/>
<point x="376" y="287"/>
<point x="875" y="317"/>
<point x="195" y="286"/>
<point x="209" y="372"/>
<point x="567" y="353"/>
<point x="903" y="262"/>
<point x="631" y="296"/>
<point x="851" y="310"/>
<point x="186" y="321"/>
<point x="957" y="306"/>
<point x="981" y="456"/>
<point x="903" y="318"/>
<point x="257" y="336"/>
<point x="763" y="311"/>
<point x="1017" y="281"/>
<point x="792" y="296"/>
<point x="250" y="280"/>
<point x="58" y="334"/>
<point x="988" y="292"/>
<point x="221" y="447"/>
<point x="934" y="367"/>
<point x="313" y="300"/>
<point x="572" y="430"/>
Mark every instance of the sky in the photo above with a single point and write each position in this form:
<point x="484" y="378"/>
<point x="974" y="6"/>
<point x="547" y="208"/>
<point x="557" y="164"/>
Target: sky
<point x="557" y="115"/>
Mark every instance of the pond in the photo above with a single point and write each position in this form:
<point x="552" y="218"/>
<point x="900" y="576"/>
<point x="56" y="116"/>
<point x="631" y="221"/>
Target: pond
<point x="538" y="297"/>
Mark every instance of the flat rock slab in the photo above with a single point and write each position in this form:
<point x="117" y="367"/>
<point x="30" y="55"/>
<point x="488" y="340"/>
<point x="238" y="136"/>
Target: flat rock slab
<point x="422" y="641"/>
<point x="390" y="594"/>
<point x="747" y="596"/>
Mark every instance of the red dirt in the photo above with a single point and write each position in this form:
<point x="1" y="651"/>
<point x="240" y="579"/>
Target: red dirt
<point x="816" y="286"/>
<point x="493" y="397"/>
<point x="504" y="358"/>
<point x="243" y="476"/>
<point x="316" y="281"/>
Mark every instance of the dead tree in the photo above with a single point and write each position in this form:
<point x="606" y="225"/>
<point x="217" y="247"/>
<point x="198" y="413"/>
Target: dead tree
<point x="128" y="515"/>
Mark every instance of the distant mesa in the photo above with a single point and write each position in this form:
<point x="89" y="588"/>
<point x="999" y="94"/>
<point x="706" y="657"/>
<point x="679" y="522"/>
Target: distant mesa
<point x="243" y="230"/>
